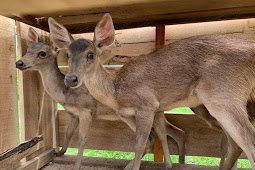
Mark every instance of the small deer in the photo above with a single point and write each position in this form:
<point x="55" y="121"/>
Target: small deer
<point x="217" y="71"/>
<point x="78" y="102"/>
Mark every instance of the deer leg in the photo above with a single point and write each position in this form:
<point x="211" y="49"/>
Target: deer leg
<point x="160" y="128"/>
<point x="149" y="148"/>
<point x="85" y="123"/>
<point x="69" y="133"/>
<point x="231" y="151"/>
<point x="143" y="128"/>
<point x="179" y="136"/>
<point x="203" y="113"/>
<point x="234" y="119"/>
<point x="224" y="148"/>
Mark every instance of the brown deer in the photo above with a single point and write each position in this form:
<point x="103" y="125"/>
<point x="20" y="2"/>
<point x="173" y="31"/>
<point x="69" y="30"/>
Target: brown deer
<point x="82" y="107"/>
<point x="217" y="71"/>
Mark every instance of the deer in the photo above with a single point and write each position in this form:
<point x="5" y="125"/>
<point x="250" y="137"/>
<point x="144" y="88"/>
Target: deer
<point x="217" y="71"/>
<point x="78" y="102"/>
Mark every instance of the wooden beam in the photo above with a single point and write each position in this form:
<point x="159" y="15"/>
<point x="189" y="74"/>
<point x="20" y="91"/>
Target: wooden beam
<point x="12" y="157"/>
<point x="160" y="36"/>
<point x="32" y="21"/>
<point x="159" y="43"/>
<point x="127" y="14"/>
<point x="9" y="124"/>
<point x="86" y="23"/>
<point x="39" y="161"/>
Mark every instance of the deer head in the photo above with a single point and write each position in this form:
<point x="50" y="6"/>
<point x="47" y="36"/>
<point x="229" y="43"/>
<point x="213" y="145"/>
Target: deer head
<point x="85" y="54"/>
<point x="38" y="54"/>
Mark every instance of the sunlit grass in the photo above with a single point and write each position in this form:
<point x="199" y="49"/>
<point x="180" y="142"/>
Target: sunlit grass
<point x="198" y="160"/>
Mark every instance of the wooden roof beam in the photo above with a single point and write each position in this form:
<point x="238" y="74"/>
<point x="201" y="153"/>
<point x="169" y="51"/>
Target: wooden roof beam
<point x="30" y="20"/>
<point x="86" y="23"/>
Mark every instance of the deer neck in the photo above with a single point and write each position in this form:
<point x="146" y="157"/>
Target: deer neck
<point x="101" y="86"/>
<point x="53" y="81"/>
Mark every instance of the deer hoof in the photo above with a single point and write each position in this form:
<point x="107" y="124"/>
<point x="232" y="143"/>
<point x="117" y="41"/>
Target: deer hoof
<point x="60" y="153"/>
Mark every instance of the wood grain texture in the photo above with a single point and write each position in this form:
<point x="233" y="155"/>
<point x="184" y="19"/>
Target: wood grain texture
<point x="80" y="16"/>
<point x="159" y="43"/>
<point x="39" y="161"/>
<point x="117" y="136"/>
<point x="11" y="158"/>
<point x="9" y="124"/>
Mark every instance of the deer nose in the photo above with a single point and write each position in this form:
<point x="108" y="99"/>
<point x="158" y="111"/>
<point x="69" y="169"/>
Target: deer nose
<point x="71" y="81"/>
<point x="19" y="64"/>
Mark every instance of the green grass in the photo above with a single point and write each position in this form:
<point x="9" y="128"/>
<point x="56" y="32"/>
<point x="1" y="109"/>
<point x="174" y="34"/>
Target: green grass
<point x="198" y="160"/>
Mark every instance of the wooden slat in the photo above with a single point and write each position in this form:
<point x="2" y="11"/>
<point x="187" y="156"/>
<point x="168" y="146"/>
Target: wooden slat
<point x="80" y="16"/>
<point x="11" y="158"/>
<point x="27" y="19"/>
<point x="39" y="161"/>
<point x="159" y="43"/>
<point x="129" y="7"/>
<point x="112" y="135"/>
<point x="9" y="124"/>
<point x="55" y="126"/>
<point x="166" y="19"/>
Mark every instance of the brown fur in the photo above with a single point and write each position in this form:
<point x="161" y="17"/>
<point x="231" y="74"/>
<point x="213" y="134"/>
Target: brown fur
<point x="82" y="107"/>
<point x="217" y="71"/>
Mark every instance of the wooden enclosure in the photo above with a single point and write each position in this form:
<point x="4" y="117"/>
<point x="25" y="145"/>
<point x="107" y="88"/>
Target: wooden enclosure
<point x="49" y="127"/>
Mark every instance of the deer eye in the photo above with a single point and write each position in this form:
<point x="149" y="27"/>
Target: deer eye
<point x="42" y="54"/>
<point x="90" y="56"/>
<point x="67" y="55"/>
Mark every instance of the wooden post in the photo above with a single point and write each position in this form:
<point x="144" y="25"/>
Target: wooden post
<point x="9" y="124"/>
<point x="159" y="43"/>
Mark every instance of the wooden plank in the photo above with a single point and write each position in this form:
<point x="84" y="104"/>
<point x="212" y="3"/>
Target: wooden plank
<point x="39" y="161"/>
<point x="165" y="19"/>
<point x="12" y="157"/>
<point x="55" y="126"/>
<point x="27" y="19"/>
<point x="83" y="16"/>
<point x="110" y="135"/>
<point x="92" y="163"/>
<point x="128" y="7"/>
<point x="159" y="43"/>
<point x="31" y="92"/>
<point x="9" y="124"/>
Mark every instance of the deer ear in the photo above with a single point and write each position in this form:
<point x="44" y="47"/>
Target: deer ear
<point x="32" y="37"/>
<point x="104" y="32"/>
<point x="59" y="36"/>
